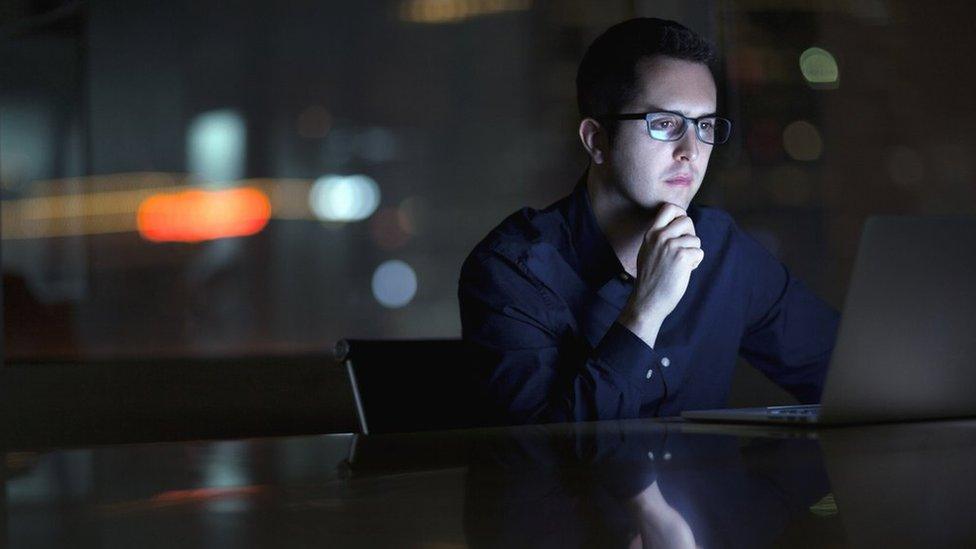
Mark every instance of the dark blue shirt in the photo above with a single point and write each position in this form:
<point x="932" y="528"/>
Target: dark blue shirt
<point x="540" y="296"/>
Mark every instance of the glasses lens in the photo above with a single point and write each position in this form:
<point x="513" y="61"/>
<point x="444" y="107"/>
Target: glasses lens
<point x="714" y="130"/>
<point x="665" y="126"/>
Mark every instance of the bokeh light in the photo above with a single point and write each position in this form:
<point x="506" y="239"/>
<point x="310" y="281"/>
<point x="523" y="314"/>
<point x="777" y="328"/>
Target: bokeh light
<point x="27" y="135"/>
<point x="216" y="144"/>
<point x="453" y="11"/>
<point x="344" y="197"/>
<point x="802" y="141"/>
<point x="394" y="284"/>
<point x="819" y="68"/>
<point x="198" y="215"/>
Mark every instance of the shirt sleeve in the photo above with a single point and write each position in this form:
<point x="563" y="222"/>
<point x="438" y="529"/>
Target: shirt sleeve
<point x="790" y="332"/>
<point x="530" y="373"/>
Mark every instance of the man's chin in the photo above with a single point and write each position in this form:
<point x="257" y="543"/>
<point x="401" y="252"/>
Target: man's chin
<point x="680" y="197"/>
<point x="650" y="203"/>
<point x="654" y="206"/>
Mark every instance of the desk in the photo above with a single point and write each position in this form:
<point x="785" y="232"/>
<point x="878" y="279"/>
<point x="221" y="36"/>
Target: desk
<point x="605" y="484"/>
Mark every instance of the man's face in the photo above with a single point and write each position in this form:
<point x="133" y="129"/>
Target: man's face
<point x="648" y="172"/>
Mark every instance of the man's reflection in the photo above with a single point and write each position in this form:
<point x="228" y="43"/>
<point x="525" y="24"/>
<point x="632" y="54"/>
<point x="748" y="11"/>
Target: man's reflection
<point x="658" y="524"/>
<point x="622" y="484"/>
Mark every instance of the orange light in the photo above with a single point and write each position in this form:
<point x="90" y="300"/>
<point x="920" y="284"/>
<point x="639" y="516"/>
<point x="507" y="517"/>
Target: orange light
<point x="197" y="215"/>
<point x="198" y="494"/>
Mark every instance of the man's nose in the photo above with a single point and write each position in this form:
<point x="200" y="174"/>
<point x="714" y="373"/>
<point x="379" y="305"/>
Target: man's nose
<point x="686" y="148"/>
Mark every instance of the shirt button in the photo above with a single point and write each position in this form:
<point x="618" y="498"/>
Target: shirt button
<point x="665" y="362"/>
<point x="624" y="276"/>
<point x="649" y="373"/>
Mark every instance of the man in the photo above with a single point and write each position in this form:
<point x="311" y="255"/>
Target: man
<point x="623" y="299"/>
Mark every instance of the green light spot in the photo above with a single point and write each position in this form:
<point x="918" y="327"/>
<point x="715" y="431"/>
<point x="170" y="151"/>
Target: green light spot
<point x="819" y="68"/>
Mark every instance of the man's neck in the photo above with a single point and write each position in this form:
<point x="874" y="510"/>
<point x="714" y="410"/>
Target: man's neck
<point x="622" y="222"/>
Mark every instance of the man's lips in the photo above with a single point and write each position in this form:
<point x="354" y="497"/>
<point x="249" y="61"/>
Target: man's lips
<point x="682" y="180"/>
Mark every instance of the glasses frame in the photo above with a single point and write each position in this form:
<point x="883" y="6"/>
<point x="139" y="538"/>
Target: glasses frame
<point x="646" y="117"/>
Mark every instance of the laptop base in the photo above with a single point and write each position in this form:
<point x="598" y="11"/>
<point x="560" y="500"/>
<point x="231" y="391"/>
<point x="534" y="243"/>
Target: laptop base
<point x="799" y="414"/>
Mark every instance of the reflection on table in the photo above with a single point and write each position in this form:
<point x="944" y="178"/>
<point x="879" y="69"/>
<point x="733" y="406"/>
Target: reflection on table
<point x="608" y="484"/>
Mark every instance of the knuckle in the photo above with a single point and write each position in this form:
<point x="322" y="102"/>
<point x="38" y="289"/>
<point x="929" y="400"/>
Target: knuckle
<point x="671" y="211"/>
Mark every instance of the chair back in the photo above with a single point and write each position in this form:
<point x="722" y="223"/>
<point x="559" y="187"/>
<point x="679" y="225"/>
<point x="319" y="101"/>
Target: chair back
<point x="412" y="385"/>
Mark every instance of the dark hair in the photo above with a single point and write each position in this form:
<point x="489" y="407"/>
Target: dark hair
<point x="606" y="78"/>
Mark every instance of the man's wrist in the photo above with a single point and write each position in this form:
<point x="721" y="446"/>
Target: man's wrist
<point x="643" y="325"/>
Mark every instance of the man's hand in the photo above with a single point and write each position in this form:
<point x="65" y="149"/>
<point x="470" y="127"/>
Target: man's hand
<point x="668" y="254"/>
<point x="659" y="524"/>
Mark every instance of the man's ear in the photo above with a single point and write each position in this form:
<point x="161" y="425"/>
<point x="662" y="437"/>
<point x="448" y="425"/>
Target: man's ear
<point x="594" y="138"/>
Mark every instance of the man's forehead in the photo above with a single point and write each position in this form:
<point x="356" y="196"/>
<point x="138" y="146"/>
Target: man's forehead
<point x="690" y="112"/>
<point x="674" y="85"/>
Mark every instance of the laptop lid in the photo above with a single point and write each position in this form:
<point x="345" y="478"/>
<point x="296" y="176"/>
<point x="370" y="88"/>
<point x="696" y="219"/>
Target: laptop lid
<point x="906" y="347"/>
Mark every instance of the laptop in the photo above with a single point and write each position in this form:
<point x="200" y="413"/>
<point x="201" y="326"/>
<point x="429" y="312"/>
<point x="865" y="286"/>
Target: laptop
<point x="906" y="345"/>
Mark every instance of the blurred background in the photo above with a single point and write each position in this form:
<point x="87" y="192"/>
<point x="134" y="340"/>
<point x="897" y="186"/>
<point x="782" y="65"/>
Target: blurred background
<point x="241" y="179"/>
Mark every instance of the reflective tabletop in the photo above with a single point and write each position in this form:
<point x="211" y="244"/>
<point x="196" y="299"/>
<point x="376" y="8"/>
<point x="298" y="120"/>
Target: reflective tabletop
<point x="635" y="483"/>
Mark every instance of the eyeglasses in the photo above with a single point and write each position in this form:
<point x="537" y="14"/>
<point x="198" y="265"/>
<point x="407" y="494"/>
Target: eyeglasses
<point x="671" y="126"/>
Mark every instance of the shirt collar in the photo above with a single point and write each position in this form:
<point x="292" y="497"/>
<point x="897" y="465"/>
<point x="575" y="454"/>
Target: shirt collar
<point x="598" y="263"/>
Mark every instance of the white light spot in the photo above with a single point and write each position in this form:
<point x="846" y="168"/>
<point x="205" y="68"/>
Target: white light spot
<point x="394" y="283"/>
<point x="216" y="143"/>
<point x="344" y="197"/>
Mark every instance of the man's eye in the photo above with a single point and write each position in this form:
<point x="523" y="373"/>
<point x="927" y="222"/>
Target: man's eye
<point x="664" y="124"/>
<point x="705" y="125"/>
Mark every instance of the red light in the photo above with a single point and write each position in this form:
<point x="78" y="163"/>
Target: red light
<point x="197" y="215"/>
